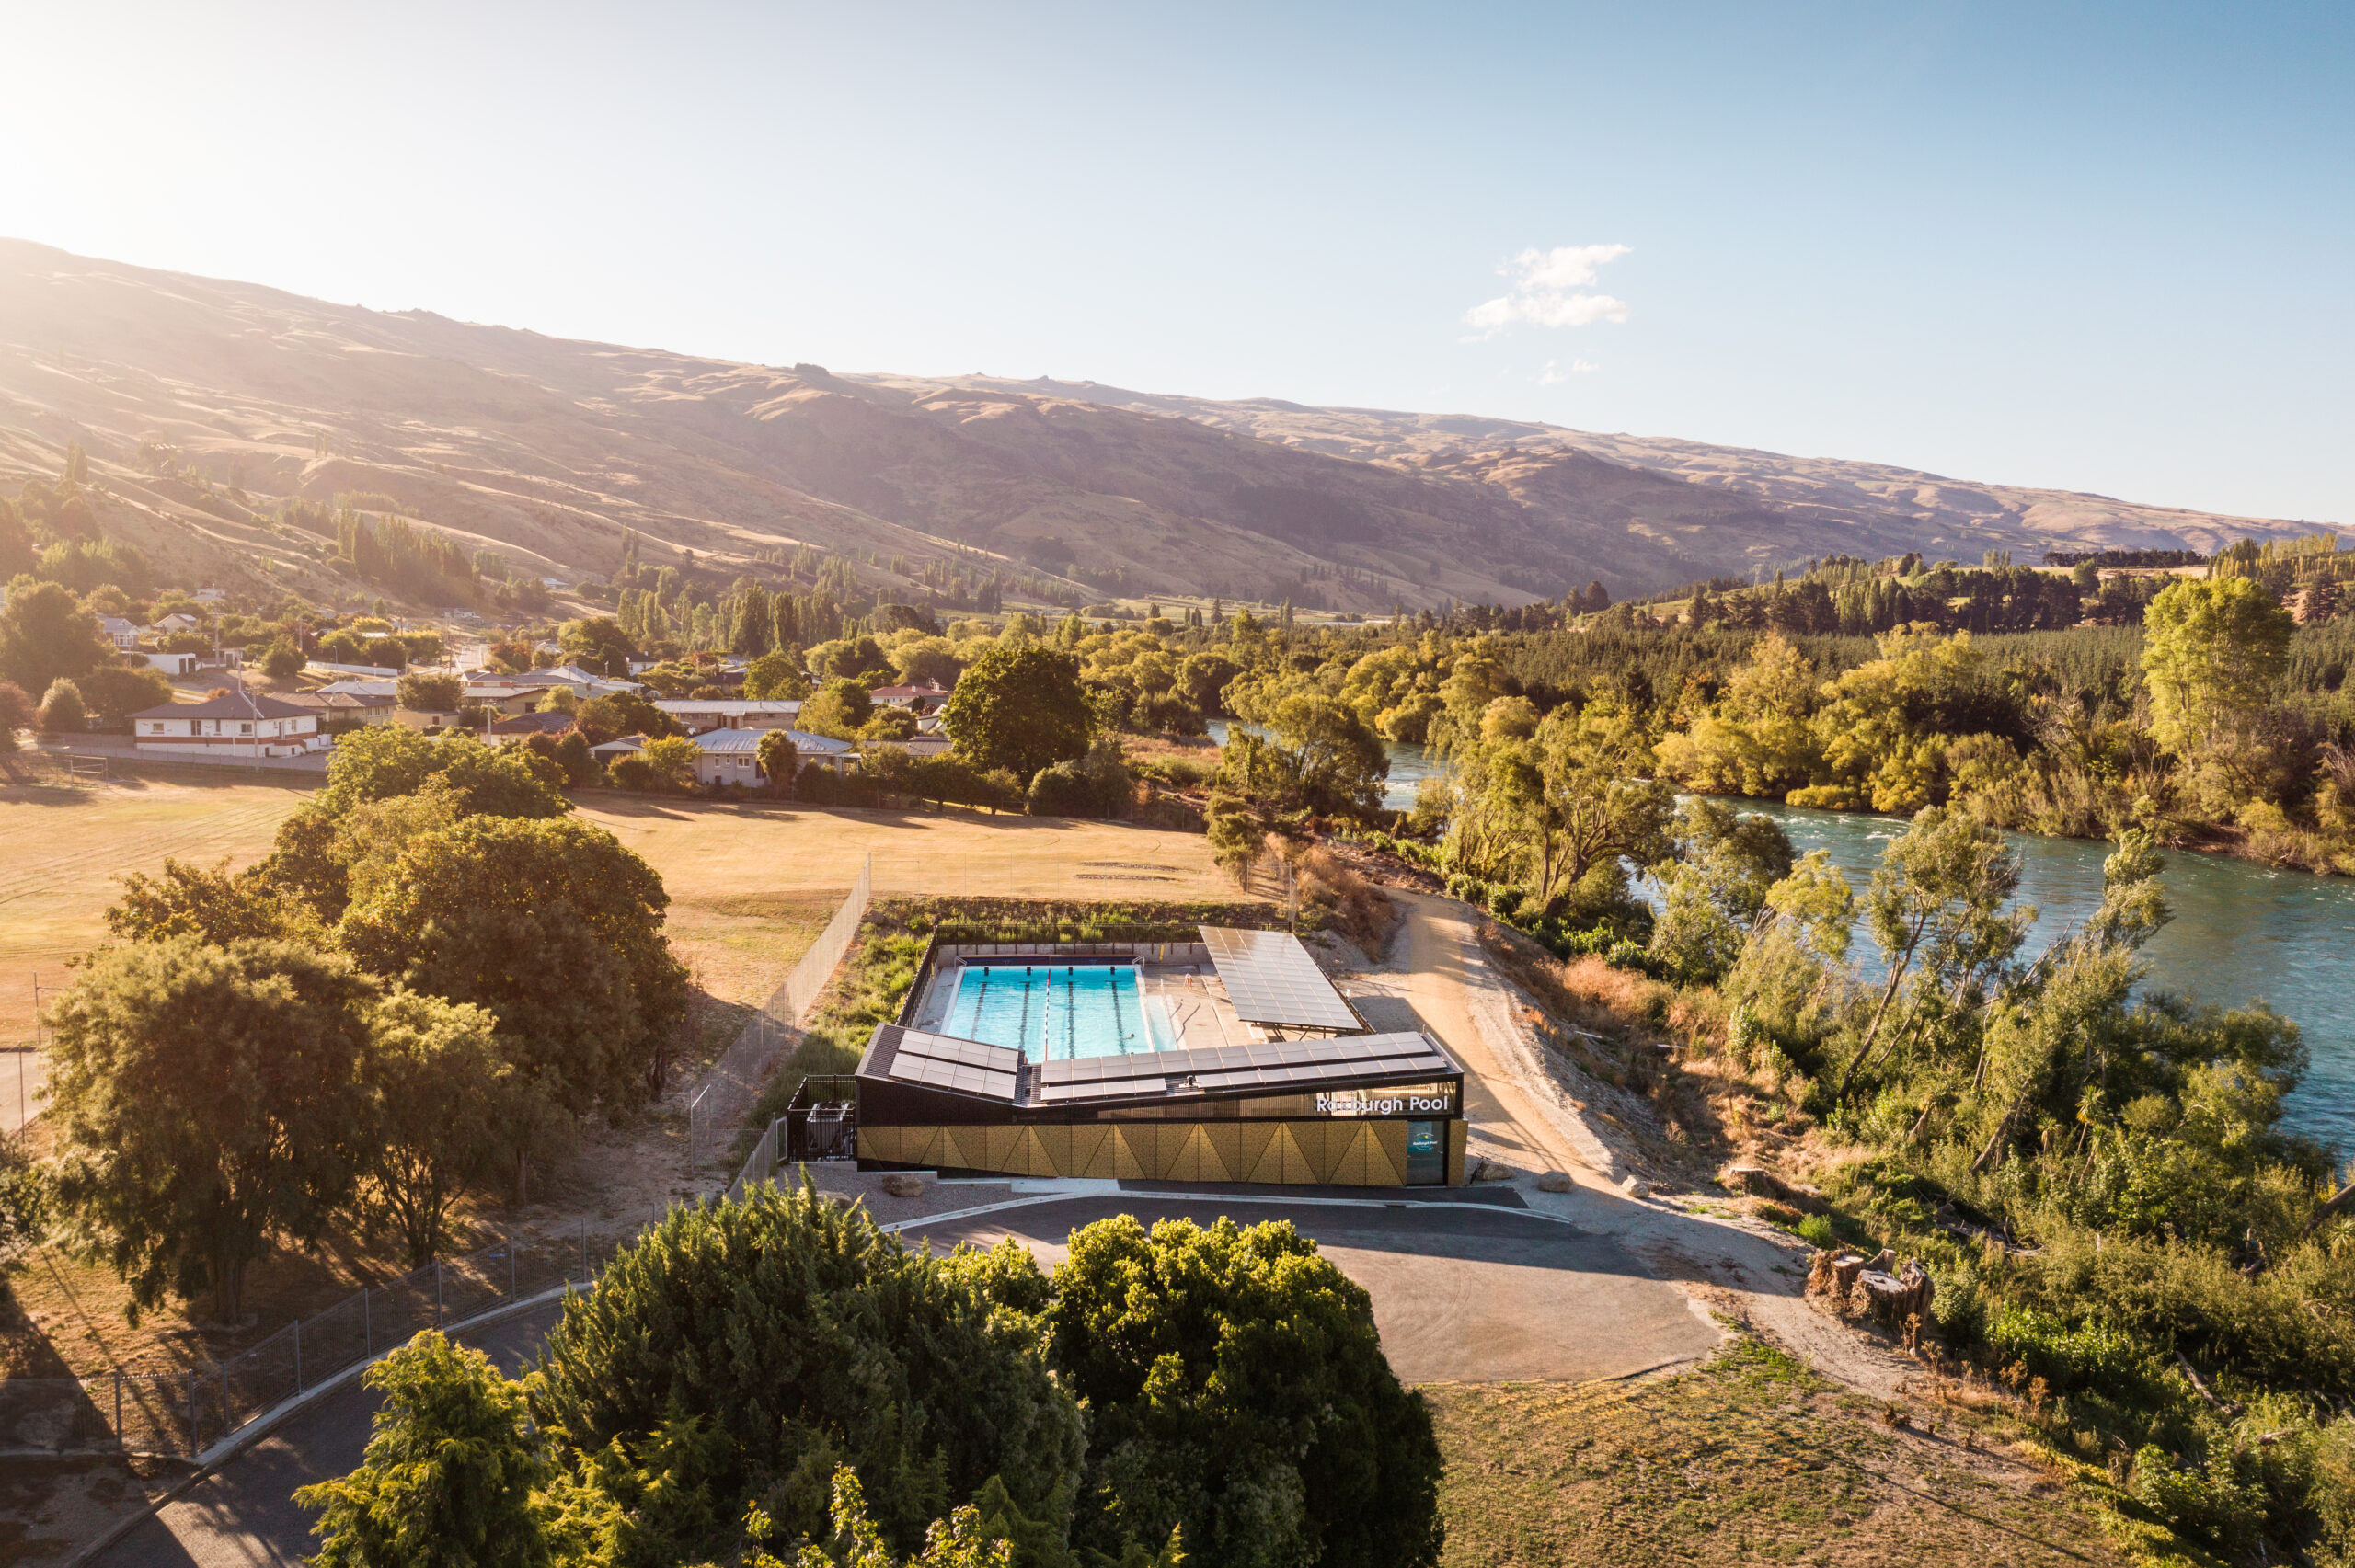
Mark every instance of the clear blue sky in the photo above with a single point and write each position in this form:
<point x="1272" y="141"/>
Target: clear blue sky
<point x="2104" y="247"/>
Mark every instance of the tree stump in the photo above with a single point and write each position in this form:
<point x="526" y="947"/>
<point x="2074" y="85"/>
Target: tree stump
<point x="1759" y="1182"/>
<point x="1891" y="1298"/>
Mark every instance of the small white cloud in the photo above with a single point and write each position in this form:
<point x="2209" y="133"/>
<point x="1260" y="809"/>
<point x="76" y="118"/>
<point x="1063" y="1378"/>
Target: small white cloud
<point x="1556" y="372"/>
<point x="1550" y="289"/>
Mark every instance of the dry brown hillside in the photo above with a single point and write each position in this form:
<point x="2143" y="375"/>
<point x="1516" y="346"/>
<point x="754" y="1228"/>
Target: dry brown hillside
<point x="546" y="449"/>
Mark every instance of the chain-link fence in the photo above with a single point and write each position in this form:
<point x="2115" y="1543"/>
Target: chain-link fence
<point x="718" y="1111"/>
<point x="182" y="1412"/>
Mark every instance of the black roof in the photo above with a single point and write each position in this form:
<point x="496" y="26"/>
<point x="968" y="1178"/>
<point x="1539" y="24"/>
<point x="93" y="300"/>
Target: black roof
<point x="997" y="1073"/>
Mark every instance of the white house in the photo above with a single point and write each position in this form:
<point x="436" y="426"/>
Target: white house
<point x="178" y="621"/>
<point x="697" y="715"/>
<point x="238" y="725"/>
<point x="174" y="663"/>
<point x="361" y="671"/>
<point x="922" y="699"/>
<point x="729" y="756"/>
<point x="120" y="632"/>
<point x="209" y="595"/>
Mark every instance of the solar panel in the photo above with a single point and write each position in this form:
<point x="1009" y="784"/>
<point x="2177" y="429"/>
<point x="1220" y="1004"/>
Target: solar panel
<point x="1271" y="979"/>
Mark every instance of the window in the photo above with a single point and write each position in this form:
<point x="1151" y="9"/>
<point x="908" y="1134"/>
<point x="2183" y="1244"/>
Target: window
<point x="245" y="729"/>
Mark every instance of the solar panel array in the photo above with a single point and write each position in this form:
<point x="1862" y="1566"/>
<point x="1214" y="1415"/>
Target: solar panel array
<point x="1289" y="1064"/>
<point x="963" y="1066"/>
<point x="1271" y="979"/>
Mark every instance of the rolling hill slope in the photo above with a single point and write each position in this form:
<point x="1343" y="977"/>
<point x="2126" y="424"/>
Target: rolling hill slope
<point x="546" y="449"/>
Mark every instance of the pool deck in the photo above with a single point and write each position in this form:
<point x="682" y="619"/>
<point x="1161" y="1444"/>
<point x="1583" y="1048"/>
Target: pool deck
<point x="1192" y="997"/>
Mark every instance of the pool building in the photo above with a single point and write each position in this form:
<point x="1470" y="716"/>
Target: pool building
<point x="1232" y="1059"/>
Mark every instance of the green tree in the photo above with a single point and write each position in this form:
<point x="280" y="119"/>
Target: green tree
<point x="839" y="711"/>
<point x="387" y="760"/>
<point x="217" y="907"/>
<point x="1236" y="1388"/>
<point x="17" y="712"/>
<point x="553" y="926"/>
<point x="283" y="660"/>
<point x="672" y="759"/>
<point x="2212" y="652"/>
<point x="208" y="1106"/>
<point x="453" y="1476"/>
<point x="436" y="692"/>
<point x="60" y="709"/>
<point x="47" y="635"/>
<point x="342" y="648"/>
<point x="616" y="713"/>
<point x="780" y="760"/>
<point x="774" y="677"/>
<point x="1021" y="709"/>
<point x="1939" y="904"/>
<point x="852" y="1540"/>
<point x="1340" y="761"/>
<point x="746" y="1348"/>
<point x="115" y="691"/>
<point x="599" y="644"/>
<point x="450" y="1112"/>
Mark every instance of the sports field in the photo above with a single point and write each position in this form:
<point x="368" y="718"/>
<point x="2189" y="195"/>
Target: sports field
<point x="751" y="885"/>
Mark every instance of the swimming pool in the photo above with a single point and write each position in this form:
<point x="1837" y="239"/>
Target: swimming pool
<point x="1056" y="1012"/>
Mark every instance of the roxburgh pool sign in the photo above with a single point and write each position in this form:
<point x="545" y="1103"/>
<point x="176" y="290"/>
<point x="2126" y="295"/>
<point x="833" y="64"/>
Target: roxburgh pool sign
<point x="1429" y="1101"/>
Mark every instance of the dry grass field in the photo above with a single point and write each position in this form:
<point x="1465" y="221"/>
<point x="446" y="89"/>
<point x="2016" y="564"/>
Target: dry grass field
<point x="751" y="885"/>
<point x="66" y="846"/>
<point x="1747" y="1459"/>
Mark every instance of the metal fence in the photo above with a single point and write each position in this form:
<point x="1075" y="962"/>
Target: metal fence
<point x="716" y="1112"/>
<point x="182" y="1413"/>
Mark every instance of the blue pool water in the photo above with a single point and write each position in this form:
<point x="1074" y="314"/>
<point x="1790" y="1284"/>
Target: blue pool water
<point x="1054" y="1013"/>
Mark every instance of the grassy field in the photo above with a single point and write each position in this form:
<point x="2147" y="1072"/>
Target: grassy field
<point x="66" y="846"/>
<point x="1747" y="1459"/>
<point x="751" y="885"/>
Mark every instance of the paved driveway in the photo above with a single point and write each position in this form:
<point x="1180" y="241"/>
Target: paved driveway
<point x="1461" y="1292"/>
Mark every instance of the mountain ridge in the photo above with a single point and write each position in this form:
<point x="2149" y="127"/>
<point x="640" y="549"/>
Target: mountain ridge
<point x="546" y="449"/>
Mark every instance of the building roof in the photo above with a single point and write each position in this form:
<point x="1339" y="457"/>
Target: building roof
<point x="236" y="705"/>
<point x="908" y="694"/>
<point x="728" y="707"/>
<point x="729" y="740"/>
<point x="388" y="690"/>
<point x="1271" y="980"/>
<point x="115" y="626"/>
<point x="619" y="745"/>
<point x="337" y="702"/>
<point x="532" y="724"/>
<point x="810" y="745"/>
<point x="1000" y="1073"/>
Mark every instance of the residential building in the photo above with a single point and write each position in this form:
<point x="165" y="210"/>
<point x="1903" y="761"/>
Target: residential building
<point x="921" y="698"/>
<point x="120" y="632"/>
<point x="729" y="756"/>
<point x="619" y="746"/>
<point x="522" y="727"/>
<point x="178" y="621"/>
<point x="337" y="709"/>
<point x="210" y="596"/>
<point x="504" y="696"/>
<point x="237" y="725"/>
<point x="174" y="663"/>
<point x="697" y="715"/>
<point x="823" y="749"/>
